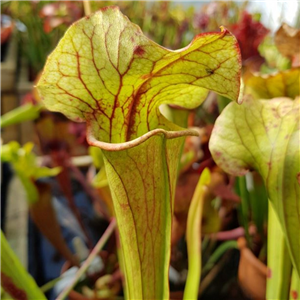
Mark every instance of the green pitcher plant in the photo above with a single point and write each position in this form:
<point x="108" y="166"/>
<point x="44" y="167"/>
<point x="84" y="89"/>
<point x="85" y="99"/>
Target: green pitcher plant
<point x="106" y="73"/>
<point x="264" y="135"/>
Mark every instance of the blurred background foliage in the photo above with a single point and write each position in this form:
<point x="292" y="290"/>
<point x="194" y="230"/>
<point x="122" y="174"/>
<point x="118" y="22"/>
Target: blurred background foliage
<point x="171" y="24"/>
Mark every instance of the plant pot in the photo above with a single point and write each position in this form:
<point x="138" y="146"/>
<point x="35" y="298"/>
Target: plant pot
<point x="252" y="273"/>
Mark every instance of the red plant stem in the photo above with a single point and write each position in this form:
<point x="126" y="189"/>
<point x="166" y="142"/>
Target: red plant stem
<point x="89" y="260"/>
<point x="208" y="163"/>
<point x="232" y="234"/>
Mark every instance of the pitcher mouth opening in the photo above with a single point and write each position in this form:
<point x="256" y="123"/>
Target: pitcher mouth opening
<point x="133" y="143"/>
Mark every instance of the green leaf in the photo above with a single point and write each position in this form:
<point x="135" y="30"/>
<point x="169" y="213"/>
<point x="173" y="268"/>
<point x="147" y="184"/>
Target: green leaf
<point x="193" y="237"/>
<point x="279" y="264"/>
<point x="217" y="254"/>
<point x="25" y="166"/>
<point x="107" y="73"/>
<point x="97" y="157"/>
<point x="14" y="278"/>
<point x="100" y="179"/>
<point x="20" y="114"/>
<point x="282" y="84"/>
<point x="264" y="135"/>
<point x="274" y="61"/>
<point x="142" y="182"/>
<point x="295" y="286"/>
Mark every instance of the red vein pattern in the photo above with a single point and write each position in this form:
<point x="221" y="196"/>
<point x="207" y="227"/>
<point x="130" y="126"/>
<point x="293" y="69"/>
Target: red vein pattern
<point x="106" y="71"/>
<point x="263" y="135"/>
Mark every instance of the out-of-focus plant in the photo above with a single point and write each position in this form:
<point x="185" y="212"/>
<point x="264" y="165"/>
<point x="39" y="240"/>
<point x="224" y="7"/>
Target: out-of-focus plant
<point x="60" y="13"/>
<point x="58" y="140"/>
<point x="20" y="114"/>
<point x="99" y="181"/>
<point x="37" y="38"/>
<point x="215" y="13"/>
<point x="193" y="237"/>
<point x="36" y="44"/>
<point x="25" y="166"/>
<point x="39" y="195"/>
<point x="249" y="33"/>
<point x="253" y="212"/>
<point x="14" y="278"/>
<point x="164" y="22"/>
<point x="275" y="79"/>
<point x="17" y="284"/>
<point x="268" y="86"/>
<point x="7" y="27"/>
<point x="274" y="60"/>
<point x="264" y="136"/>
<point x="287" y="40"/>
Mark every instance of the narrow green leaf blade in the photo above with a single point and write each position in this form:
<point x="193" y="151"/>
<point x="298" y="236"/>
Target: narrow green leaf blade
<point x="279" y="264"/>
<point x="20" y="114"/>
<point x="193" y="237"/>
<point x="295" y="286"/>
<point x="14" y="278"/>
